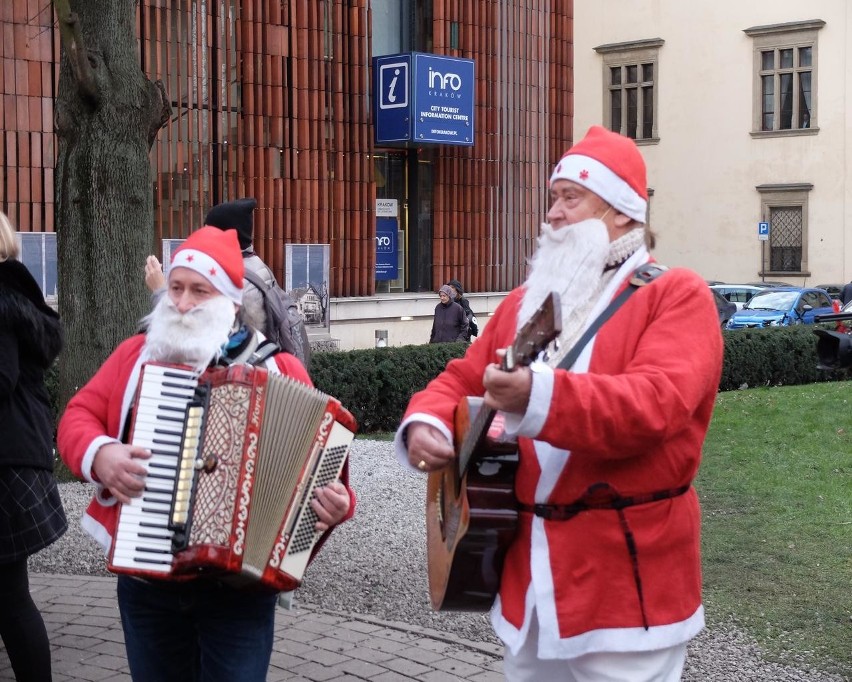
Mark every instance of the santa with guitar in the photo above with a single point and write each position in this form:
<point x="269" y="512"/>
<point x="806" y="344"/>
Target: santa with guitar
<point x="602" y="579"/>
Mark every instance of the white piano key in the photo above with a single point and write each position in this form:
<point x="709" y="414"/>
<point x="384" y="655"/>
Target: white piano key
<point x="142" y="532"/>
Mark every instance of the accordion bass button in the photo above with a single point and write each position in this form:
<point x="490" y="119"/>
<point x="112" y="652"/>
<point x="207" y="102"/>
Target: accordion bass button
<point x="208" y="463"/>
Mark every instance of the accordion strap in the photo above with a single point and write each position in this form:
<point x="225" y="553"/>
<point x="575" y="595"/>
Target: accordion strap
<point x="263" y="352"/>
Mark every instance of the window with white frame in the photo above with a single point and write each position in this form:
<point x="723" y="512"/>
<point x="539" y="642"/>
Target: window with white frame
<point x="785" y="67"/>
<point x="785" y="208"/>
<point x="38" y="254"/>
<point x="630" y="84"/>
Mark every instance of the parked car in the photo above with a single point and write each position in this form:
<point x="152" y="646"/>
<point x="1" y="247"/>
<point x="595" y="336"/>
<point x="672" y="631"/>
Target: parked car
<point x="765" y="285"/>
<point x="724" y="307"/>
<point x="738" y="294"/>
<point x="834" y="290"/>
<point x="782" y="307"/>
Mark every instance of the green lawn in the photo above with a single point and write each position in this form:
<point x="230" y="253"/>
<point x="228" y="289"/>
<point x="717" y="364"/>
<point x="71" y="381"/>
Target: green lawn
<point x="776" y="491"/>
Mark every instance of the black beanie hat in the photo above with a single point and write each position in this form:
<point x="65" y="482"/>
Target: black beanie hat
<point x="234" y="215"/>
<point x="455" y="283"/>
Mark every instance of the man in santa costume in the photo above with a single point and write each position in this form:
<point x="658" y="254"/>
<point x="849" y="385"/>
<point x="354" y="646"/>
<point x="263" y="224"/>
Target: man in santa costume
<point x="603" y="578"/>
<point x="202" y="628"/>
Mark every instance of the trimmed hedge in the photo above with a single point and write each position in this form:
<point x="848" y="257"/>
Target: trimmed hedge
<point x="782" y="356"/>
<point x="376" y="384"/>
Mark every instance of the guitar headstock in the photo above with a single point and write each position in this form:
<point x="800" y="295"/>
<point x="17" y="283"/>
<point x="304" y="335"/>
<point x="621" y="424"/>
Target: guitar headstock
<point x="544" y="326"/>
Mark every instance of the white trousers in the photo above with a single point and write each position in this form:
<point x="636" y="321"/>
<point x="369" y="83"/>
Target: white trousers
<point x="662" y="665"/>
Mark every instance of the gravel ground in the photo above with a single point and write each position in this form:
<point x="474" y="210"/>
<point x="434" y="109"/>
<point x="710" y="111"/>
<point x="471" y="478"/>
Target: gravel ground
<point x="375" y="565"/>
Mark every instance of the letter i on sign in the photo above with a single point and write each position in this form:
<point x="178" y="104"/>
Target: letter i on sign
<point x="392" y="87"/>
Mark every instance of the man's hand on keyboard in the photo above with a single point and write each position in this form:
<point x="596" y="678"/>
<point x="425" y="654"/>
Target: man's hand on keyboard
<point x="116" y="467"/>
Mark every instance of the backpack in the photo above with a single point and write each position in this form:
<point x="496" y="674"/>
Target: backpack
<point x="472" y="326"/>
<point x="284" y="323"/>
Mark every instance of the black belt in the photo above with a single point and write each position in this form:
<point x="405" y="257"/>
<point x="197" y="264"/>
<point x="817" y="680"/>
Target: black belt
<point x="603" y="496"/>
<point x="599" y="496"/>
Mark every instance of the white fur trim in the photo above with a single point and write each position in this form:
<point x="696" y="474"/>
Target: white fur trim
<point x="97" y="531"/>
<point x="532" y="421"/>
<point x="551" y="461"/>
<point x="399" y="447"/>
<point x="89" y="455"/>
<point x="211" y="270"/>
<point x="511" y="636"/>
<point x="620" y="639"/>
<point x="595" y="176"/>
<point x="130" y="389"/>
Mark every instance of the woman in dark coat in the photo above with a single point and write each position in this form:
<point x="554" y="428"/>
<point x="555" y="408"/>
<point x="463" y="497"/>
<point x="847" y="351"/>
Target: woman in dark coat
<point x="450" y="322"/>
<point x="472" y="327"/>
<point x="31" y="514"/>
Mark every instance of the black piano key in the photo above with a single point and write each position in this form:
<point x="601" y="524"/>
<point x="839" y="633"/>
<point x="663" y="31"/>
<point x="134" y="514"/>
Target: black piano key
<point x="178" y="384"/>
<point x="168" y="432"/>
<point x="159" y="465"/>
<point x="165" y="418"/>
<point x="150" y="510"/>
<point x="161" y="477"/>
<point x="145" y="560"/>
<point x="150" y="524"/>
<point x="151" y="550"/>
<point x="154" y="536"/>
<point x="160" y="441"/>
<point x="166" y="372"/>
<point x="168" y="394"/>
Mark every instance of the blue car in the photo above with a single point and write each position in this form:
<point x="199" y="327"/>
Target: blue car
<point x="782" y="307"/>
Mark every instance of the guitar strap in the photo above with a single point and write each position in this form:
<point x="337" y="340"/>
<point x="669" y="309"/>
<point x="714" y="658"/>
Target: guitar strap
<point x="642" y="276"/>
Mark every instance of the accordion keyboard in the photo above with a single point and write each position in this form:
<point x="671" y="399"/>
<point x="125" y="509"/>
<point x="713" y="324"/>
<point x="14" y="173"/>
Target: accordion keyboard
<point x="143" y="539"/>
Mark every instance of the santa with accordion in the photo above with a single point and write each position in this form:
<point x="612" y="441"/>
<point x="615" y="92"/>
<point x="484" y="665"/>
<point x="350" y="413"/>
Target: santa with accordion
<point x="203" y="624"/>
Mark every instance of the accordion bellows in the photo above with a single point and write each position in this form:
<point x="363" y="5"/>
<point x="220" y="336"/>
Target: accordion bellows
<point x="249" y="451"/>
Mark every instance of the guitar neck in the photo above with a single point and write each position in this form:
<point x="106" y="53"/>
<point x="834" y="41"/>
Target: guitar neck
<point x="474" y="438"/>
<point x="544" y="326"/>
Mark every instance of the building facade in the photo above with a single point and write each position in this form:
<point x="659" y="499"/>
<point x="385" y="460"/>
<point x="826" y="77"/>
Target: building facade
<point x="274" y="100"/>
<point x="742" y="111"/>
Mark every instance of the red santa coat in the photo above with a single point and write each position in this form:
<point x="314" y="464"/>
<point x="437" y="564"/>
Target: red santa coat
<point x="633" y="413"/>
<point x="96" y="414"/>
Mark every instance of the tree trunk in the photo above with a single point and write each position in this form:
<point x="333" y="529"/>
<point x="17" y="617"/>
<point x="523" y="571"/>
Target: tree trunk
<point x="108" y="114"/>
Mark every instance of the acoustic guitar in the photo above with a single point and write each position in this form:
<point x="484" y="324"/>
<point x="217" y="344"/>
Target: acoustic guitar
<point x="471" y="510"/>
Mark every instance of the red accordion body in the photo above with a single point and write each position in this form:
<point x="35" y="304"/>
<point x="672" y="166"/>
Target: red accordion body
<point x="253" y="448"/>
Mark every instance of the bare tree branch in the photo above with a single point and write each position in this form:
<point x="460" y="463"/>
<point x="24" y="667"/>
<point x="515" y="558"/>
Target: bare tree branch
<point x="72" y="40"/>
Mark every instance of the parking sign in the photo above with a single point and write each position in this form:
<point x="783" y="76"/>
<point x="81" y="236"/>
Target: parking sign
<point x="763" y="231"/>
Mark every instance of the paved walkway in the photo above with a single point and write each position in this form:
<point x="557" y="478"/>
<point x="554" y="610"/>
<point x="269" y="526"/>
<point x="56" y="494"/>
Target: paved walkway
<point x="310" y="643"/>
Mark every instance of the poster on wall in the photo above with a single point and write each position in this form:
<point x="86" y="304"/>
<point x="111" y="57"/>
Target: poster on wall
<point x="387" y="247"/>
<point x="306" y="279"/>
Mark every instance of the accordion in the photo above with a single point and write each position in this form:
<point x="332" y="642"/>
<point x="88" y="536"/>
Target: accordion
<point x="236" y="456"/>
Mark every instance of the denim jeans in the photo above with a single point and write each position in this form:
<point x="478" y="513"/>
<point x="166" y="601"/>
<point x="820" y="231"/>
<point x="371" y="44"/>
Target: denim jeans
<point x="198" y="630"/>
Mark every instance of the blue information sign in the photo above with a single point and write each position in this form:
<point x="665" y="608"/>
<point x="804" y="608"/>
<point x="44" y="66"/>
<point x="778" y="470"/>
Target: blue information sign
<point x="443" y="99"/>
<point x="423" y="98"/>
<point x="386" y="248"/>
<point x="763" y="231"/>
<point x="391" y="90"/>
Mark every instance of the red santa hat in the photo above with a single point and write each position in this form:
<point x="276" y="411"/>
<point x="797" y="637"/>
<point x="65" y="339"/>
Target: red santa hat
<point x="611" y="166"/>
<point x="215" y="254"/>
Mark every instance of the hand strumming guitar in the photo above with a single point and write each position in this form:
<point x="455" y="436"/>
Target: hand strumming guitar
<point x="428" y="448"/>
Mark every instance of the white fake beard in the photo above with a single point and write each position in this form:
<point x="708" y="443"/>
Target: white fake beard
<point x="570" y="261"/>
<point x="194" y="338"/>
